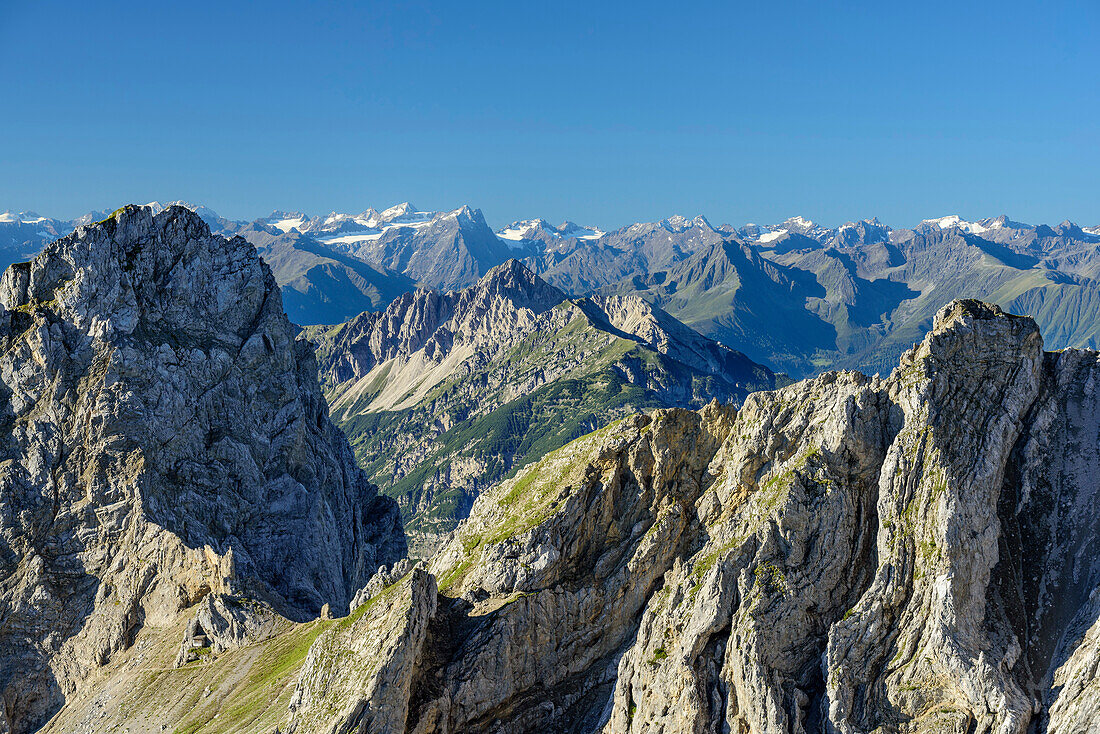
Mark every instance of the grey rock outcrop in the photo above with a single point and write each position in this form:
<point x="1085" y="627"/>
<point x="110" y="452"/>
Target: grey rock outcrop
<point x="551" y="571"/>
<point x="847" y="554"/>
<point x="863" y="568"/>
<point x="380" y="580"/>
<point x="358" y="674"/>
<point x="162" y="438"/>
<point x="221" y="622"/>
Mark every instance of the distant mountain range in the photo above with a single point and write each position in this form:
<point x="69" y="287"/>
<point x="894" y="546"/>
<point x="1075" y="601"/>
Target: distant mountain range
<point x="796" y="296"/>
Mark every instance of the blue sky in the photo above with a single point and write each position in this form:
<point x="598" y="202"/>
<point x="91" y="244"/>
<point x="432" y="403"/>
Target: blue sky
<point x="600" y="112"/>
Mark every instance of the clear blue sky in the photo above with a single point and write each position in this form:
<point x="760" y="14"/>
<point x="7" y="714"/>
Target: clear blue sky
<point x="600" y="112"/>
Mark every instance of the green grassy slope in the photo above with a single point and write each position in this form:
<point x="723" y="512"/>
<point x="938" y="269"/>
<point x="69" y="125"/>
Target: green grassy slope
<point x="492" y="416"/>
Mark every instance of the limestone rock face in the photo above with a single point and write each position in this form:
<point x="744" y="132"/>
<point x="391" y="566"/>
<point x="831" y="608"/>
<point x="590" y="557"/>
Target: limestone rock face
<point x="162" y="437"/>
<point x="220" y="622"/>
<point x="784" y="547"/>
<point x="358" y="673"/>
<point x="847" y="554"/>
<point x="899" y="555"/>
<point x="548" y="578"/>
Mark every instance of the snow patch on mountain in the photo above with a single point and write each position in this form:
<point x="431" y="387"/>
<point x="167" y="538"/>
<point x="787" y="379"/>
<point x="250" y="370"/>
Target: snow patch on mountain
<point x="980" y="227"/>
<point x="21" y="217"/>
<point x="287" y="223"/>
<point x="527" y="230"/>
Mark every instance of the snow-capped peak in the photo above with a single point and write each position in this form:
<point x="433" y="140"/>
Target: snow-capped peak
<point x="801" y="223"/>
<point x="872" y="222"/>
<point x="765" y="233"/>
<point x="22" y="217"/>
<point x="1003" y="222"/>
<point x="954" y="220"/>
<point x="403" y="209"/>
<point x="679" y="223"/>
<point x="944" y="222"/>
<point x="370" y="224"/>
<point x="286" y="221"/>
<point x="525" y="229"/>
<point x="466" y="213"/>
<point x="572" y="229"/>
<point x="981" y="227"/>
<point x="529" y="229"/>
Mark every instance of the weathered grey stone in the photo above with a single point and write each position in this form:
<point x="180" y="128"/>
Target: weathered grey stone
<point x="222" y="622"/>
<point x="358" y="674"/>
<point x="162" y="438"/>
<point x="849" y="554"/>
<point x="865" y="566"/>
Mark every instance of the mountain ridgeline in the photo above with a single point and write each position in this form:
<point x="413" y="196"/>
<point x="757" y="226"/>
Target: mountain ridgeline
<point x="853" y="296"/>
<point x="187" y="531"/>
<point x="442" y="395"/>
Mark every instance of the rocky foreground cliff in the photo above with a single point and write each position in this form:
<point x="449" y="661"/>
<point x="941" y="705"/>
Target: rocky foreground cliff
<point x="846" y="554"/>
<point x="166" y="460"/>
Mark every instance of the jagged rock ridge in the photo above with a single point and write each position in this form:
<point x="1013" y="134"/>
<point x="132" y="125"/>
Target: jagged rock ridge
<point x="848" y="554"/>
<point x="854" y="296"/>
<point x="163" y="438"/>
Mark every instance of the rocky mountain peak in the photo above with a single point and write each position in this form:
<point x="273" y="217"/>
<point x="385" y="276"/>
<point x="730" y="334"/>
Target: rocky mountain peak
<point x="399" y="210"/>
<point x="680" y="223"/>
<point x="433" y="322"/>
<point x="845" y="553"/>
<point x="977" y="333"/>
<point x="127" y="270"/>
<point x="519" y="284"/>
<point x="800" y="223"/>
<point x="1070" y="229"/>
<point x="164" y="439"/>
<point x="967" y="311"/>
<point x="468" y="215"/>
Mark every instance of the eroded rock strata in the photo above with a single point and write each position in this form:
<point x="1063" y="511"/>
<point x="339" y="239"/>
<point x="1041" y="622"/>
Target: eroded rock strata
<point x="444" y="395"/>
